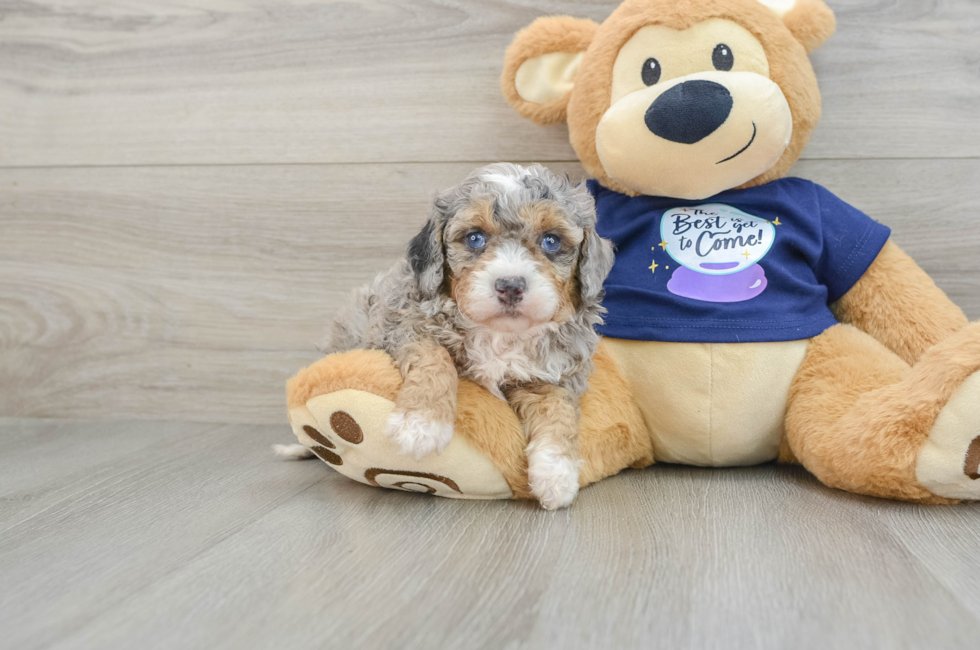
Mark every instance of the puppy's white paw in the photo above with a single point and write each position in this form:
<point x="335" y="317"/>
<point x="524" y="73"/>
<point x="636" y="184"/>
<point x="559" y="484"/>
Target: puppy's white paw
<point x="553" y="477"/>
<point x="416" y="435"/>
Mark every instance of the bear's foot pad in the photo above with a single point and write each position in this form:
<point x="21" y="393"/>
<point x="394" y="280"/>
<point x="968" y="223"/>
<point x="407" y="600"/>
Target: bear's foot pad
<point x="345" y="429"/>
<point x="949" y="462"/>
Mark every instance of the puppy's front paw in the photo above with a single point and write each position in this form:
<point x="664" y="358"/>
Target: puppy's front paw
<point x="417" y="435"/>
<point x="553" y="477"/>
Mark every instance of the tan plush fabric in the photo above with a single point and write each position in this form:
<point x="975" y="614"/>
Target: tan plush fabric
<point x="811" y="22"/>
<point x="666" y="170"/>
<point x="354" y="391"/>
<point x="949" y="463"/>
<point x="613" y="434"/>
<point x="781" y="7"/>
<point x="542" y="37"/>
<point x="370" y="371"/>
<point x="859" y="415"/>
<point x="548" y="77"/>
<point x="759" y="125"/>
<point x="898" y="304"/>
<point x="683" y="53"/>
<point x="461" y="471"/>
<point x="789" y="67"/>
<point x="713" y="405"/>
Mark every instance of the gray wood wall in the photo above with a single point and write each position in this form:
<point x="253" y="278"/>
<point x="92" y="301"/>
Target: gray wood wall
<point x="188" y="189"/>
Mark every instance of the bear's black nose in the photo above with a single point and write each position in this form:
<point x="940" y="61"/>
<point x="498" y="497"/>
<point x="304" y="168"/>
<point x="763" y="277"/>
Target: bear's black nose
<point x="690" y="111"/>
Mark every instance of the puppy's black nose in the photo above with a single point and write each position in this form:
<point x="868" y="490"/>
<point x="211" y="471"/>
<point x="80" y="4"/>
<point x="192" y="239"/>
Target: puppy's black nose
<point x="510" y="291"/>
<point x="690" y="111"/>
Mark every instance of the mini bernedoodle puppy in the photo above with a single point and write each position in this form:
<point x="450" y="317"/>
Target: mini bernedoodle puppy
<point x="503" y="287"/>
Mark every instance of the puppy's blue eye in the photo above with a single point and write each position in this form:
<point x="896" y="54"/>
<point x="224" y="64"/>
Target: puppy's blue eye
<point x="476" y="240"/>
<point x="550" y="243"/>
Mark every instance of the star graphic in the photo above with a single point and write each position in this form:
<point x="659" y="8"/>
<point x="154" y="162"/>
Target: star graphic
<point x="663" y="245"/>
<point x="653" y="266"/>
<point x="747" y="255"/>
<point x="776" y="222"/>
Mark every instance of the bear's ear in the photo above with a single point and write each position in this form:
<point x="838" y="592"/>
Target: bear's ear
<point x="811" y="21"/>
<point x="540" y="66"/>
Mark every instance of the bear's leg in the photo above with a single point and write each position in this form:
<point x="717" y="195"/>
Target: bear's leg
<point x="339" y="405"/>
<point x="863" y="420"/>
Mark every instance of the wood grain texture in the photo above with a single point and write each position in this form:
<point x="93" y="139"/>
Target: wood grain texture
<point x="305" y="81"/>
<point x="44" y="461"/>
<point x="193" y="293"/>
<point x="78" y="541"/>
<point x="202" y="539"/>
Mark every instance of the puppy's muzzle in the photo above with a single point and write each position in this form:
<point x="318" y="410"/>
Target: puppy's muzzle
<point x="689" y="112"/>
<point x="510" y="291"/>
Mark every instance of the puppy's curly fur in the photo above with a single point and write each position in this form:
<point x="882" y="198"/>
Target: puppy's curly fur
<point x="502" y="286"/>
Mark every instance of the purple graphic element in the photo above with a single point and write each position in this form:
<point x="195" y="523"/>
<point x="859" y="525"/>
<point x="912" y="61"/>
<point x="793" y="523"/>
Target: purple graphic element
<point x="718" y="266"/>
<point x="734" y="287"/>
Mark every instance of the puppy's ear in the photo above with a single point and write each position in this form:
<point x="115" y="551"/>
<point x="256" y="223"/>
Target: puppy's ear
<point x="595" y="263"/>
<point x="425" y="252"/>
<point x="540" y="66"/>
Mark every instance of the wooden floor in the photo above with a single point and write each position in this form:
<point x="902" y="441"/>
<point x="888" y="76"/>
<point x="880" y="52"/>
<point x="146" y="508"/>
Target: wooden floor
<point x="187" y="189"/>
<point x="169" y="535"/>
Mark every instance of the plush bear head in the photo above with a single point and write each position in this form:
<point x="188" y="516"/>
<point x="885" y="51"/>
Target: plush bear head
<point x="678" y="98"/>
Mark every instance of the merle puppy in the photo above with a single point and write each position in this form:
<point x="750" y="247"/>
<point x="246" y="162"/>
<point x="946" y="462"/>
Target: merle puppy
<point x="503" y="287"/>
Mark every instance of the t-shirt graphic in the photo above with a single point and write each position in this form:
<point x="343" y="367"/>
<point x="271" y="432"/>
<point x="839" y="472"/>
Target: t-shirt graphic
<point x="719" y="248"/>
<point x="761" y="264"/>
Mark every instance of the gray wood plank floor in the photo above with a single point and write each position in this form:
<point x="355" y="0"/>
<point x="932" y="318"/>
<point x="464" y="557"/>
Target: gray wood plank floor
<point x="166" y="535"/>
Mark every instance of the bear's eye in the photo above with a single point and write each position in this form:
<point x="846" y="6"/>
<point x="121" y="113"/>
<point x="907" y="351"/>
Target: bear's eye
<point x="723" y="58"/>
<point x="651" y="71"/>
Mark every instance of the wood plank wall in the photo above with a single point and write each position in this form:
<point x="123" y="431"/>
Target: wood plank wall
<point x="188" y="189"/>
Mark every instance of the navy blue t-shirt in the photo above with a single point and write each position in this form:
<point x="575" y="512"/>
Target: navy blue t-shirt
<point x="761" y="264"/>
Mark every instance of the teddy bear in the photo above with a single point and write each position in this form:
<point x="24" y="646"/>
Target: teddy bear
<point x="752" y="316"/>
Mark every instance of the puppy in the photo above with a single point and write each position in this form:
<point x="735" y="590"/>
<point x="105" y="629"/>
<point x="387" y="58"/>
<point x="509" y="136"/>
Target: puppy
<point x="502" y="286"/>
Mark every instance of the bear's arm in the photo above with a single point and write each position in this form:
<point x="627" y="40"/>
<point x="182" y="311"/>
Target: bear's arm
<point x="896" y="302"/>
